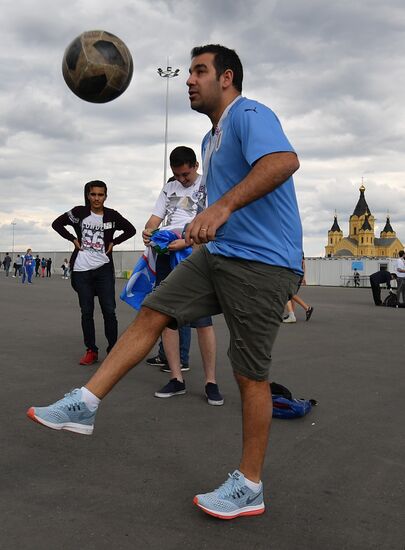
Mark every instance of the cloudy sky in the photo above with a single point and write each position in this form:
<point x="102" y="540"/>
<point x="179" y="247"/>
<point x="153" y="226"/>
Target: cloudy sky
<point x="334" y="72"/>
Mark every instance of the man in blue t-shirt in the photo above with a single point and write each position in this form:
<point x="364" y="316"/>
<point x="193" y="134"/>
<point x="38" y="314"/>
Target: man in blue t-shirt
<point x="247" y="268"/>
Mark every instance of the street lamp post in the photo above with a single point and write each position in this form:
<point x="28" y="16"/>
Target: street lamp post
<point x="13" y="223"/>
<point x="168" y="74"/>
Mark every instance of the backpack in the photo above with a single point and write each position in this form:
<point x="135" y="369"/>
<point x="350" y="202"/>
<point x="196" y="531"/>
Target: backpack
<point x="391" y="300"/>
<point x="285" y="406"/>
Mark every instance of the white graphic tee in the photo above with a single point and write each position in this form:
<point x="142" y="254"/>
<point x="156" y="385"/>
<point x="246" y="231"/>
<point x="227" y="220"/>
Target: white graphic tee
<point x="92" y="255"/>
<point x="178" y="205"/>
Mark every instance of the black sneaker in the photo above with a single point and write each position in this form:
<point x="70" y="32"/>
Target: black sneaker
<point x="174" y="387"/>
<point x="166" y="368"/>
<point x="213" y="394"/>
<point x="156" y="361"/>
<point x="309" y="312"/>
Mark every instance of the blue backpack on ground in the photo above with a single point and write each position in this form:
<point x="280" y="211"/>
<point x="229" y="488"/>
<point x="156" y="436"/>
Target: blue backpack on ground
<point x="285" y="406"/>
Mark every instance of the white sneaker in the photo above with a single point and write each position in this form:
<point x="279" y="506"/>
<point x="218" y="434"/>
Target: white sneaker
<point x="290" y="318"/>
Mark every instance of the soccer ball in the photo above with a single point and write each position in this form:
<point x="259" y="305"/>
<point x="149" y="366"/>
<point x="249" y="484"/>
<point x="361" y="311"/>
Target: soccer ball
<point x="97" y="66"/>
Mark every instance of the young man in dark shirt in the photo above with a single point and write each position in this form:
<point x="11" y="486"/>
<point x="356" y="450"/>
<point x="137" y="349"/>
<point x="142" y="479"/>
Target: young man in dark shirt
<point x="91" y="264"/>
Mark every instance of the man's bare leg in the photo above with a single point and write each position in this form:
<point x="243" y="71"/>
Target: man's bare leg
<point x="134" y="344"/>
<point x="256" y="419"/>
<point x="208" y="348"/>
<point x="300" y="302"/>
<point x="171" y="343"/>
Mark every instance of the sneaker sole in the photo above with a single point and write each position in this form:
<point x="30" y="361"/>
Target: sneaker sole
<point x="68" y="426"/>
<point x="246" y="511"/>
<point x="88" y="364"/>
<point x="181" y="392"/>
<point x="167" y="369"/>
<point x="215" y="403"/>
<point x="154" y="364"/>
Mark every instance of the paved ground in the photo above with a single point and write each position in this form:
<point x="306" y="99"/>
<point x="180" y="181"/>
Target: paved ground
<point x="334" y="480"/>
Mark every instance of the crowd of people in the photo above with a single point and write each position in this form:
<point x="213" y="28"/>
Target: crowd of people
<point x="26" y="267"/>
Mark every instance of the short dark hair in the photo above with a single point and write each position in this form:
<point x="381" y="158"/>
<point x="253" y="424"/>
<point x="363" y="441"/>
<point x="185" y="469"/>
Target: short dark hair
<point x="182" y="155"/>
<point x="401" y="253"/>
<point x="394" y="276"/>
<point x="224" y="59"/>
<point x="89" y="185"/>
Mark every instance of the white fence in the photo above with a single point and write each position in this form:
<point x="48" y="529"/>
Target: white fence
<point x="319" y="271"/>
<point x="339" y="271"/>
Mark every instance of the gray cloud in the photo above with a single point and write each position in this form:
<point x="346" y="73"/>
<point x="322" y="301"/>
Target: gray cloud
<point x="333" y="72"/>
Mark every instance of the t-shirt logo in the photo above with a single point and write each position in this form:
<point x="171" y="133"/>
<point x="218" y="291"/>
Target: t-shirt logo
<point x="92" y="238"/>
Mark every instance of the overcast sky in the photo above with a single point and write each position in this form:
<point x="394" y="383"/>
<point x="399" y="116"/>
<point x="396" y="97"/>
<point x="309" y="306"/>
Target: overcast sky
<point x="334" y="72"/>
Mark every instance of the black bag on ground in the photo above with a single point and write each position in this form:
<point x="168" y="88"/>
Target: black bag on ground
<point x="391" y="300"/>
<point x="285" y="406"/>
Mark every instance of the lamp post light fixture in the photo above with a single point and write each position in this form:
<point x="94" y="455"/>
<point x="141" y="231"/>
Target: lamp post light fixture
<point x="13" y="223"/>
<point x="168" y="74"/>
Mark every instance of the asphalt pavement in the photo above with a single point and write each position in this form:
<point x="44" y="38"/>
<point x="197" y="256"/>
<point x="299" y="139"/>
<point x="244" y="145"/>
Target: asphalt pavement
<point x="334" y="480"/>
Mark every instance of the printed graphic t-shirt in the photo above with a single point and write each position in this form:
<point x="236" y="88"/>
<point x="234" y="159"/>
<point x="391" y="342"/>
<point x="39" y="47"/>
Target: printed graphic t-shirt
<point x="178" y="205"/>
<point x="92" y="255"/>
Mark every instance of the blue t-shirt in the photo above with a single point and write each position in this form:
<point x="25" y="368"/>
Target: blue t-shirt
<point x="269" y="229"/>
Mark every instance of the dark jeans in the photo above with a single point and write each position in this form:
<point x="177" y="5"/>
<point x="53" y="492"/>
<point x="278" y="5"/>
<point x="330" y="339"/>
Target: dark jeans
<point x="376" y="290"/>
<point x="88" y="284"/>
<point x="163" y="269"/>
<point x="185" y="340"/>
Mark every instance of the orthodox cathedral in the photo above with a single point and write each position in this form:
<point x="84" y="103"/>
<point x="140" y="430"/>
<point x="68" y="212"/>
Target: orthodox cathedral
<point x="361" y="240"/>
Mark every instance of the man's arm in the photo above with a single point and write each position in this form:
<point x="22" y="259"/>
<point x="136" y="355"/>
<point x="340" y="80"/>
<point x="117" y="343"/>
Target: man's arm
<point x="268" y="173"/>
<point x="128" y="230"/>
<point x="59" y="226"/>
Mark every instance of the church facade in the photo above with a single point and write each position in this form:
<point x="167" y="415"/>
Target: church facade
<point x="361" y="240"/>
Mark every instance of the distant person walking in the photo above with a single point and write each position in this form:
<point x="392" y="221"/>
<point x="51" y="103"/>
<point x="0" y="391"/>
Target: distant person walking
<point x="7" y="263"/>
<point x="37" y="265"/>
<point x="18" y="266"/>
<point x="379" y="278"/>
<point x="356" y="278"/>
<point x="49" y="267"/>
<point x="43" y="267"/>
<point x="28" y="266"/>
<point x="290" y="317"/>
<point x="400" y="272"/>
<point x="65" y="268"/>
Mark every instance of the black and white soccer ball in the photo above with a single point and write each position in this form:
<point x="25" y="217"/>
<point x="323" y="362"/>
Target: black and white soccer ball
<point x="97" y="66"/>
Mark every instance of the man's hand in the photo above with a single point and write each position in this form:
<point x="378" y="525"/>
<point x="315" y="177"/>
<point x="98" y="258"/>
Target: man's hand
<point x="77" y="244"/>
<point x="204" y="226"/>
<point x="109" y="249"/>
<point x="178" y="244"/>
<point x="146" y="235"/>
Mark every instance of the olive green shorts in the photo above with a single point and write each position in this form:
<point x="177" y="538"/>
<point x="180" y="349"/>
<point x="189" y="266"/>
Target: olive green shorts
<point x="251" y="295"/>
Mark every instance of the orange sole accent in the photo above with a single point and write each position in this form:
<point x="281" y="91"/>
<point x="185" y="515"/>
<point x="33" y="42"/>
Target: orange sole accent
<point x="215" y="515"/>
<point x="31" y="415"/>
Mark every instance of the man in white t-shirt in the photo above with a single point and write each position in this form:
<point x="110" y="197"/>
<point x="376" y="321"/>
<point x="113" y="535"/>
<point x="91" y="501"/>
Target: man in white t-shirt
<point x="91" y="264"/>
<point x="400" y="271"/>
<point x="180" y="200"/>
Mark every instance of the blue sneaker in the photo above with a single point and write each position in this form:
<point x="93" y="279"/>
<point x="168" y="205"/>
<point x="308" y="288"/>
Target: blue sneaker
<point x="70" y="413"/>
<point x="232" y="499"/>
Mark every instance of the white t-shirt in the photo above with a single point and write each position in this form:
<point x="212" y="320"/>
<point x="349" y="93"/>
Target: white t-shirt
<point x="92" y="255"/>
<point x="178" y="205"/>
<point x="401" y="265"/>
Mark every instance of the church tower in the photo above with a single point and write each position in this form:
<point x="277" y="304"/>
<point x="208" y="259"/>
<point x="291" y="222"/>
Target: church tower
<point x="366" y="237"/>
<point x="388" y="232"/>
<point x="358" y="217"/>
<point x="335" y="234"/>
